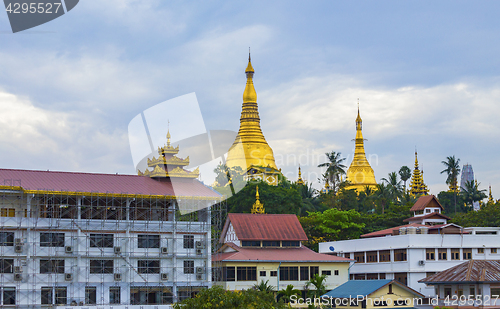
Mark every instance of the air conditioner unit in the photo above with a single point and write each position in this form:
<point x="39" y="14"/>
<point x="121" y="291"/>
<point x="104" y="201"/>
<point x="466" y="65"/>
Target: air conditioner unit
<point x="164" y="250"/>
<point x="164" y="276"/>
<point x="421" y="263"/>
<point x="68" y="249"/>
<point x="18" y="269"/>
<point x="200" y="270"/>
<point x="68" y="277"/>
<point x="118" y="250"/>
<point x="18" y="248"/>
<point x="118" y="277"/>
<point x="18" y="277"/>
<point x="18" y="241"/>
<point x="199" y="276"/>
<point x="200" y="244"/>
<point x="199" y="251"/>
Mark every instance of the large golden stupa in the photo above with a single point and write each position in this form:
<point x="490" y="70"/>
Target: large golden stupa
<point x="360" y="173"/>
<point x="250" y="150"/>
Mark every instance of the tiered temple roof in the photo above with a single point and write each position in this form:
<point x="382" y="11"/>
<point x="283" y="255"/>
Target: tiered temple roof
<point x="417" y="186"/>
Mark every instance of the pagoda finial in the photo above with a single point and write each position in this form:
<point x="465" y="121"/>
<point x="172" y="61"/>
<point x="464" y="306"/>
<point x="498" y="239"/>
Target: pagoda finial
<point x="417" y="180"/>
<point x="258" y="207"/>
<point x="299" y="180"/>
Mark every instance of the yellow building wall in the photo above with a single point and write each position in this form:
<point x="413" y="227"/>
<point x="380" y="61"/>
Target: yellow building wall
<point x="398" y="293"/>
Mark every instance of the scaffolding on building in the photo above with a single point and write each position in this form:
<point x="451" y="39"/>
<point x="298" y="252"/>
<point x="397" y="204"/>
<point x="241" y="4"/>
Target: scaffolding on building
<point x="95" y="249"/>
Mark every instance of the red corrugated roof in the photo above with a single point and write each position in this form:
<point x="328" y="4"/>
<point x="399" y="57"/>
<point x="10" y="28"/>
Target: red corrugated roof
<point x="470" y="271"/>
<point x="389" y="230"/>
<point x="102" y="183"/>
<point x="265" y="227"/>
<point x="302" y="254"/>
<point x="428" y="216"/>
<point x="423" y="201"/>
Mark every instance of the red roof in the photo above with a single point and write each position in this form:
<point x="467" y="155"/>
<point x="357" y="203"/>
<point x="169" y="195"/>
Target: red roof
<point x="301" y="254"/>
<point x="389" y="230"/>
<point x="428" y="216"/>
<point x="424" y="201"/>
<point x="265" y="227"/>
<point x="108" y="184"/>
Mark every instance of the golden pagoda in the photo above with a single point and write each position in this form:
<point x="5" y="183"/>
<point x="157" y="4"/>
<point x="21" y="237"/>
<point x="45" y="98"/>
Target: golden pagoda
<point x="299" y="180"/>
<point x="250" y="150"/>
<point x="491" y="201"/>
<point x="258" y="207"/>
<point x="417" y="185"/>
<point x="360" y="174"/>
<point x="168" y="164"/>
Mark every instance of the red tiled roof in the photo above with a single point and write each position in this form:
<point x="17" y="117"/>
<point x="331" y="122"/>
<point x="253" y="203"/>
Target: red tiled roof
<point x="301" y="254"/>
<point x="265" y="227"/>
<point x="423" y="201"/>
<point x="428" y="216"/>
<point x="470" y="271"/>
<point x="389" y="230"/>
<point x="108" y="184"/>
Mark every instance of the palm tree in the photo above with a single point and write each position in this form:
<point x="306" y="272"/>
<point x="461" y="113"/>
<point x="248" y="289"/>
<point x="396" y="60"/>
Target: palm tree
<point x="334" y="168"/>
<point x="383" y="194"/>
<point x="288" y="293"/>
<point x="452" y="170"/>
<point x="264" y="286"/>
<point x="318" y="281"/>
<point x="405" y="174"/>
<point x="471" y="192"/>
<point x="394" y="185"/>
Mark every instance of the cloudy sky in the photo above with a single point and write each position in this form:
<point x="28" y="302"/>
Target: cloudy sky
<point x="426" y="74"/>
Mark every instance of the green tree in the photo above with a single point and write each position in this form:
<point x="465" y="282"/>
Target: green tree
<point x="318" y="282"/>
<point x="488" y="215"/>
<point x="452" y="169"/>
<point x="405" y="174"/>
<point x="217" y="297"/>
<point x="264" y="286"/>
<point x="287" y="293"/>
<point x="393" y="185"/>
<point x="471" y="192"/>
<point x="383" y="194"/>
<point x="334" y="168"/>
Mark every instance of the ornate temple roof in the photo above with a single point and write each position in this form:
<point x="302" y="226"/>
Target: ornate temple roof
<point x="417" y="185"/>
<point x="258" y="207"/>
<point x="299" y="180"/>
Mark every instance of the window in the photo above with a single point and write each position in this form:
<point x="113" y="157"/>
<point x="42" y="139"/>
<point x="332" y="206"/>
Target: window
<point x="472" y="292"/>
<point x="313" y="270"/>
<point x="188" y="241"/>
<point x="189" y="267"/>
<point x="51" y="239"/>
<point x="148" y="266"/>
<point x="268" y="243"/>
<point x="304" y="273"/>
<point x="467" y="254"/>
<point x="274" y="273"/>
<point x="101" y="240"/>
<point x="442" y="254"/>
<point x="6" y="266"/>
<point x="290" y="243"/>
<point x="359" y="257"/>
<point x="371" y="256"/>
<point x="153" y="241"/>
<point x="480" y="250"/>
<point x="455" y="254"/>
<point x="114" y="295"/>
<point x="372" y="276"/>
<point x="289" y="273"/>
<point x="347" y="255"/>
<point x="246" y="273"/>
<point x="263" y="273"/>
<point x="390" y="289"/>
<point x="52" y="266"/>
<point x="90" y="295"/>
<point x="359" y="276"/>
<point x="384" y="256"/>
<point x="250" y="243"/>
<point x="326" y="272"/>
<point x="151" y="295"/>
<point x="381" y="276"/>
<point x="336" y="272"/>
<point x="428" y="211"/>
<point x="101" y="266"/>
<point x="51" y="296"/>
<point x="430" y="254"/>
<point x="399" y="255"/>
<point x="494" y="292"/>
<point x="8" y="212"/>
<point x="6" y="238"/>
<point x="401" y="277"/>
<point x="493" y="250"/>
<point x="8" y="296"/>
<point x="229" y="273"/>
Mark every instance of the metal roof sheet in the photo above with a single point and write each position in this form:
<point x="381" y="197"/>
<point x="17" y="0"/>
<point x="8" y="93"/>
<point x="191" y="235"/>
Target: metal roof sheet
<point x="423" y="201"/>
<point x="470" y="271"/>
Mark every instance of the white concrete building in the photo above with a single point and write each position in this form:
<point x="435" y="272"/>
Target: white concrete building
<point x="412" y="252"/>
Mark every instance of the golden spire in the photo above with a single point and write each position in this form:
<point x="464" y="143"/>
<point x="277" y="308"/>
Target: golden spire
<point x="491" y="201"/>
<point x="250" y="147"/>
<point x="299" y="180"/>
<point x="360" y="174"/>
<point x="417" y="185"/>
<point x="258" y="207"/>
